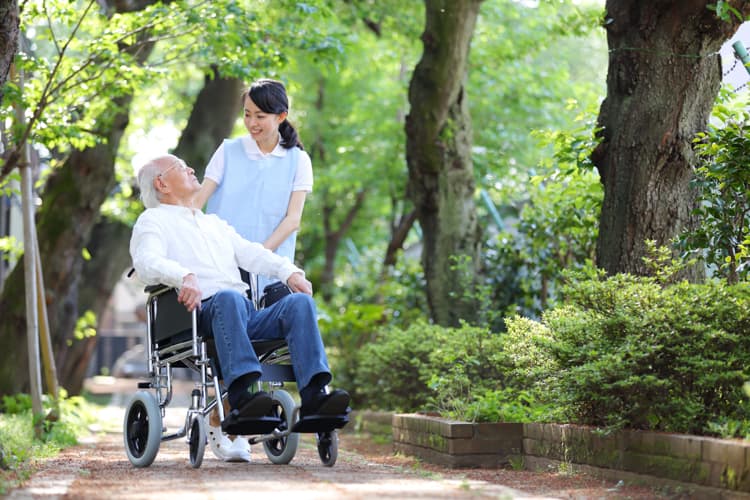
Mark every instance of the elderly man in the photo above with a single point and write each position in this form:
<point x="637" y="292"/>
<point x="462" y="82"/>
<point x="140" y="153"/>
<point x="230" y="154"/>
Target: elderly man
<point x="178" y="245"/>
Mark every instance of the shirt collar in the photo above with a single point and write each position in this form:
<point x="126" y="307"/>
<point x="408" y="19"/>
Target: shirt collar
<point x="252" y="147"/>
<point x="177" y="209"/>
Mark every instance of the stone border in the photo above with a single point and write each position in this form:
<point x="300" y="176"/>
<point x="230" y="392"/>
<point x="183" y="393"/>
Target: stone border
<point x="457" y="444"/>
<point x="718" y="468"/>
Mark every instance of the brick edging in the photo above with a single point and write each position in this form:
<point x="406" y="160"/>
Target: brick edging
<point x="704" y="462"/>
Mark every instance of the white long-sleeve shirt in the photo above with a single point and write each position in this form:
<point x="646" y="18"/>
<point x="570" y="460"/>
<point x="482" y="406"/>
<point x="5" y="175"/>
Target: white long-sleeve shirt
<point x="171" y="241"/>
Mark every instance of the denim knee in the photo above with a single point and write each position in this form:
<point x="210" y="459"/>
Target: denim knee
<point x="229" y="298"/>
<point x="299" y="302"/>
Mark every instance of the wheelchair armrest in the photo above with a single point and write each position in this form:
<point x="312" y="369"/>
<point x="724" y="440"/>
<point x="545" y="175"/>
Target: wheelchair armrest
<point x="156" y="289"/>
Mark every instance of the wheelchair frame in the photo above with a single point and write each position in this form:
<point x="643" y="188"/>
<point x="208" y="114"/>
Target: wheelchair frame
<point x="173" y="340"/>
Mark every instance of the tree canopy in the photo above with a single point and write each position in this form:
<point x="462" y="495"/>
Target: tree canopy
<point x="477" y="161"/>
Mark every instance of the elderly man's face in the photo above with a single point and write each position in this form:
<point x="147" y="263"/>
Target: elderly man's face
<point x="177" y="177"/>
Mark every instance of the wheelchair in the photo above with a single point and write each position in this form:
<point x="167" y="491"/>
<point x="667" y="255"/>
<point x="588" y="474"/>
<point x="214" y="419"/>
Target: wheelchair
<point x="174" y="340"/>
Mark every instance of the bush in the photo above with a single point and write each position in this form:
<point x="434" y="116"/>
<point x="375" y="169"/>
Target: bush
<point x="462" y="373"/>
<point x="392" y="371"/>
<point x="622" y="352"/>
<point x="631" y="353"/>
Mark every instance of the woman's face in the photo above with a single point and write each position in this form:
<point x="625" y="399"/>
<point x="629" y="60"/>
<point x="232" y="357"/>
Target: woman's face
<point x="262" y="126"/>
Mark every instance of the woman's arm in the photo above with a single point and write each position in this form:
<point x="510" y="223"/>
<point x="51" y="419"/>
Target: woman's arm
<point x="290" y="223"/>
<point x="207" y="189"/>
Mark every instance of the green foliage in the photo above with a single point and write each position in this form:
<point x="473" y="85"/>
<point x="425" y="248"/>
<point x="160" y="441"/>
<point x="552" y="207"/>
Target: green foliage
<point x="468" y="361"/>
<point x="529" y="64"/>
<point x="361" y="304"/>
<point x="553" y="225"/>
<point x="479" y="294"/>
<point x="633" y="353"/>
<point x="620" y="352"/>
<point x="465" y="373"/>
<point x="722" y="184"/>
<point x="10" y="248"/>
<point x="20" y="447"/>
<point x="85" y="326"/>
<point x="390" y="367"/>
<point x="725" y="11"/>
<point x="503" y="405"/>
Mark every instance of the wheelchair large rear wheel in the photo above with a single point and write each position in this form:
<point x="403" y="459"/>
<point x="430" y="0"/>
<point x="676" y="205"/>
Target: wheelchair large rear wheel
<point x="328" y="447"/>
<point x="197" y="440"/>
<point x="142" y="429"/>
<point x="283" y="449"/>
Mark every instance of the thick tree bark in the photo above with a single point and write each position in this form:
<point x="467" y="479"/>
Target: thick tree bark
<point x="438" y="142"/>
<point x="664" y="74"/>
<point x="108" y="246"/>
<point x="214" y="113"/>
<point x="9" y="22"/>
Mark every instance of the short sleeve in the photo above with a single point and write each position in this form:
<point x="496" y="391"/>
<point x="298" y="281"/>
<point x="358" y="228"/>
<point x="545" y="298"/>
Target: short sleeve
<point x="303" y="179"/>
<point x="215" y="167"/>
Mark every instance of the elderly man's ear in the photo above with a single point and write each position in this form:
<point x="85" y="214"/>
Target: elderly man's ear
<point x="160" y="185"/>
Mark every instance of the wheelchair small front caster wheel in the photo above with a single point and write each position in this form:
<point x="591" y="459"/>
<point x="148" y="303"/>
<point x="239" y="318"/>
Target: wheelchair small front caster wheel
<point x="197" y="441"/>
<point x="282" y="450"/>
<point x="328" y="447"/>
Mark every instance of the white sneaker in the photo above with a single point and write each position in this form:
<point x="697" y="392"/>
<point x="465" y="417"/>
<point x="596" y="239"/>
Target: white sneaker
<point x="239" y="451"/>
<point x="224" y="448"/>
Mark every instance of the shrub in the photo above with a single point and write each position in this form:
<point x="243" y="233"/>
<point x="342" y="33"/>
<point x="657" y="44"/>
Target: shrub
<point x="722" y="185"/>
<point x="390" y="369"/>
<point x="462" y="373"/>
<point x="632" y="353"/>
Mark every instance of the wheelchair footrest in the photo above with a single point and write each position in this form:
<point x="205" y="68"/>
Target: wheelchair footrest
<point x="320" y="423"/>
<point x="249" y="425"/>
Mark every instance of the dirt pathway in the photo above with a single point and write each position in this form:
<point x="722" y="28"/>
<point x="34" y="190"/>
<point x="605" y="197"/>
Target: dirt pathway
<point x="99" y="468"/>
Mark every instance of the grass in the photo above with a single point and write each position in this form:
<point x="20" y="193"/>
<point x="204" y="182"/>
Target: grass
<point x="21" y="450"/>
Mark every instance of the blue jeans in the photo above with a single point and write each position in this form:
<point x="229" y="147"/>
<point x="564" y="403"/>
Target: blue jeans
<point x="233" y="322"/>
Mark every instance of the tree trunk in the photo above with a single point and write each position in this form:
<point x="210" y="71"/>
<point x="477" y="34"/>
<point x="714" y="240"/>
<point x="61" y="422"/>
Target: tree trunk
<point x="8" y="39"/>
<point x="108" y="246"/>
<point x="212" y="119"/>
<point x="664" y="74"/>
<point x="64" y="223"/>
<point x="399" y="232"/>
<point x="438" y="154"/>
<point x="333" y="237"/>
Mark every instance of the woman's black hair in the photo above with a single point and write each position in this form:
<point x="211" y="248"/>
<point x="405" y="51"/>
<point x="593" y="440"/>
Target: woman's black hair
<point x="270" y="96"/>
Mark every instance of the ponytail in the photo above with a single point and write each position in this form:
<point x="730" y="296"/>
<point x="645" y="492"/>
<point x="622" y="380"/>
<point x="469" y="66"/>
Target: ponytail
<point x="289" y="136"/>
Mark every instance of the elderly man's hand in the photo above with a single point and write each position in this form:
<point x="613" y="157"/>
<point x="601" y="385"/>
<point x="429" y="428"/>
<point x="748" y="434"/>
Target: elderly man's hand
<point x="190" y="293"/>
<point x="298" y="283"/>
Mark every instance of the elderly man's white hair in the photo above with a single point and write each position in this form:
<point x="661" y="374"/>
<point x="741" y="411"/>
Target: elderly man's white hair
<point x="146" y="175"/>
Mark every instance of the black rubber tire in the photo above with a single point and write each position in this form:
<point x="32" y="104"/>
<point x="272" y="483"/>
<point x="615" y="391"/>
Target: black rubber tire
<point x="281" y="451"/>
<point x="142" y="429"/>
<point x="328" y="447"/>
<point x="197" y="441"/>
